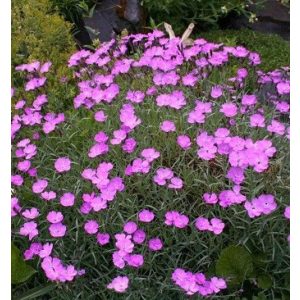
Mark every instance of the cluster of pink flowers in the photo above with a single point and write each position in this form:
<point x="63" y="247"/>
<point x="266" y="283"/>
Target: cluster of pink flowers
<point x="197" y="283"/>
<point x="142" y="165"/>
<point x="262" y="205"/>
<point x="100" y="147"/>
<point x="174" y="218"/>
<point x="165" y="176"/>
<point x="56" y="271"/>
<point x="108" y="187"/>
<point x="197" y="115"/>
<point x="214" y="225"/>
<point x="174" y="100"/>
<point x="133" y="235"/>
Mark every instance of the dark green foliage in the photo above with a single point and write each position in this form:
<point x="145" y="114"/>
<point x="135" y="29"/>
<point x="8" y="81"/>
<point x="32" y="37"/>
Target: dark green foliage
<point x="20" y="271"/>
<point x="205" y="13"/>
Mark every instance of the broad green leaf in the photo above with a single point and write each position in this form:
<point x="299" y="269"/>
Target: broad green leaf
<point x="235" y="264"/>
<point x="20" y="271"/>
<point x="264" y="281"/>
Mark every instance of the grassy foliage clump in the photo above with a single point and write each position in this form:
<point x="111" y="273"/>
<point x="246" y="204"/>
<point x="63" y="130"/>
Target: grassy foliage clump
<point x="216" y="198"/>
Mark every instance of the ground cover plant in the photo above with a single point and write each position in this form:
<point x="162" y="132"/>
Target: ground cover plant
<point x="153" y="171"/>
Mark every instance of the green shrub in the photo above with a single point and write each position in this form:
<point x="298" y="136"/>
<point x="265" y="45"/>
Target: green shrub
<point x="274" y="51"/>
<point x="39" y="33"/>
<point x="205" y="13"/>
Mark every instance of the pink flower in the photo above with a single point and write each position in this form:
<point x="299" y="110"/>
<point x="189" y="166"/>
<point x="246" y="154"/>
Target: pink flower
<point x="119" y="284"/>
<point x="46" y="250"/>
<point x="184" y="142"/>
<point x="48" y="195"/>
<point x="176" y="219"/>
<point x="29" y="229"/>
<point x="100" y="116"/>
<point x="91" y="227"/>
<point x="124" y="243"/>
<point x="134" y="260"/>
<point x="283" y="88"/>
<point x="155" y="244"/>
<point x="139" y="236"/>
<point x="210" y="198"/>
<point x="31" y="213"/>
<point x="62" y="164"/>
<point x="257" y="120"/>
<point x="249" y="100"/>
<point x="24" y="165"/>
<point x="150" y="154"/>
<point x="276" y="127"/>
<point x="55" y="217"/>
<point x="39" y="186"/>
<point x="167" y="126"/>
<point x="202" y="224"/>
<point x="57" y="230"/>
<point x="146" y="216"/>
<point x="130" y="227"/>
<point x="103" y="238"/>
<point x="15" y="207"/>
<point x="217" y="226"/>
<point x="236" y="174"/>
<point x="176" y="183"/>
<point x="129" y="145"/>
<point x="287" y="212"/>
<point x="67" y="199"/>
<point x="216" y="92"/>
<point x="229" y="109"/>
<point x="135" y="96"/>
<point x="17" y="180"/>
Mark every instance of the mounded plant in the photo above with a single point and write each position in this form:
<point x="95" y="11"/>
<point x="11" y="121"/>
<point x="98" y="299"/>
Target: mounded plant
<point x="153" y="171"/>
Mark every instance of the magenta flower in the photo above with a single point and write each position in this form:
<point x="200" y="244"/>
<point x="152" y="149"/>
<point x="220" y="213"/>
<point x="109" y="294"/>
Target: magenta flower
<point x="24" y="165"/>
<point x="283" y="88"/>
<point x="146" y="216"/>
<point x="62" y="164"/>
<point x="31" y="213"/>
<point x="103" y="238"/>
<point x="67" y="199"/>
<point x="17" y="180"/>
<point x="48" y="195"/>
<point x="150" y="154"/>
<point x="139" y="236"/>
<point x="124" y="243"/>
<point x="229" y="109"/>
<point x="29" y="229"/>
<point x="216" y="92"/>
<point x="155" y="244"/>
<point x="249" y="100"/>
<point x="91" y="227"/>
<point x="167" y="126"/>
<point x="210" y="198"/>
<point x="257" y="120"/>
<point x="134" y="260"/>
<point x="57" y="230"/>
<point x="129" y="145"/>
<point x="55" y="217"/>
<point x="39" y="186"/>
<point x="135" y="96"/>
<point x="15" y="207"/>
<point x="100" y="116"/>
<point x="287" y="212"/>
<point x="46" y="250"/>
<point x="184" y="142"/>
<point x="119" y="284"/>
<point x="130" y="227"/>
<point x="175" y="183"/>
